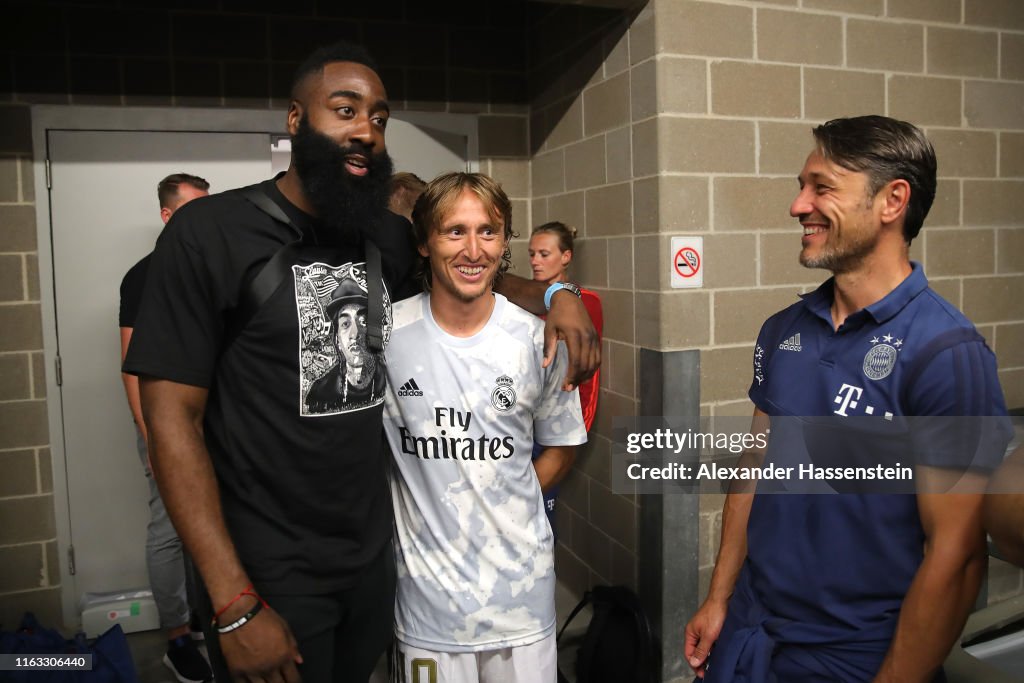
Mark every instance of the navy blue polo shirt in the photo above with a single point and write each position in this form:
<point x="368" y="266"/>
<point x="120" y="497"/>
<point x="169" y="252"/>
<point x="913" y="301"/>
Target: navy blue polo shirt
<point x="832" y="570"/>
<point x="911" y="353"/>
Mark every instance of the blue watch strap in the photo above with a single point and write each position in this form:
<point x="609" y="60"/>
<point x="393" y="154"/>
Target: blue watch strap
<point x="554" y="287"/>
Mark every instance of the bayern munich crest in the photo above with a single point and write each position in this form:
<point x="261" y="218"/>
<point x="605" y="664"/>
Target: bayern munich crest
<point x="504" y="396"/>
<point x="881" y="358"/>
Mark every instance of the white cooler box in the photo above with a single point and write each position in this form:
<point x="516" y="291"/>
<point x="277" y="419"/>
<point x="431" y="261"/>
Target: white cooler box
<point x="135" y="610"/>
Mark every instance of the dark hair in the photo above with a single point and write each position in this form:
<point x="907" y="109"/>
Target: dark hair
<point x="565" y="233"/>
<point x="341" y="51"/>
<point x="885" y="149"/>
<point x="167" y="189"/>
<point x="437" y="200"/>
<point x="403" y="180"/>
<point x="405" y="190"/>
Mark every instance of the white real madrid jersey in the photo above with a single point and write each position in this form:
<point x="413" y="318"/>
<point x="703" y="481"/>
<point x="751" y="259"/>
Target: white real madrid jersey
<point x="473" y="546"/>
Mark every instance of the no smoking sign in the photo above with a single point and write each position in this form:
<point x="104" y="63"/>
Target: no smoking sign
<point x="687" y="269"/>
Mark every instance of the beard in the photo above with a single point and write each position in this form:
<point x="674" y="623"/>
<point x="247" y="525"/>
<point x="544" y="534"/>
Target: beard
<point x="347" y="205"/>
<point x="843" y="257"/>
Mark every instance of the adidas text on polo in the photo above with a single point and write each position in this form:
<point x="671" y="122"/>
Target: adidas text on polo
<point x="792" y="344"/>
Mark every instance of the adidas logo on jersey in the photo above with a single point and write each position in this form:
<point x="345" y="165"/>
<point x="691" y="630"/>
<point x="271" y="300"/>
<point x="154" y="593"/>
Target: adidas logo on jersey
<point x="410" y="388"/>
<point x="792" y="344"/>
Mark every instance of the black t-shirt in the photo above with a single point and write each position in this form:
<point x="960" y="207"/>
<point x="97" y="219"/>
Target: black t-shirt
<point x="302" y="482"/>
<point x="131" y="292"/>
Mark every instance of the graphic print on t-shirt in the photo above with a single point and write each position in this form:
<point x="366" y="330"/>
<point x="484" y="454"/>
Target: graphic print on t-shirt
<point x="338" y="371"/>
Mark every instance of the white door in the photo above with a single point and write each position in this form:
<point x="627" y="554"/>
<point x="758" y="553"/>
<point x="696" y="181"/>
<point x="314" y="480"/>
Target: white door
<point x="425" y="150"/>
<point x="103" y="217"/>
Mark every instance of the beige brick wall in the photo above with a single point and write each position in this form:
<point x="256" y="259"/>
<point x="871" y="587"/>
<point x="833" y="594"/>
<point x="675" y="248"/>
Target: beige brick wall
<point x="583" y="173"/>
<point x="29" y="571"/>
<point x="739" y="85"/>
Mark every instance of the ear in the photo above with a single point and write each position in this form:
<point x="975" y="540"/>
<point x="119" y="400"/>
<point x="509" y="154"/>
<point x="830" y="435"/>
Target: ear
<point x="566" y="257"/>
<point x="165" y="214"/>
<point x="424" y="252"/>
<point x="294" y="116"/>
<point x="895" y="197"/>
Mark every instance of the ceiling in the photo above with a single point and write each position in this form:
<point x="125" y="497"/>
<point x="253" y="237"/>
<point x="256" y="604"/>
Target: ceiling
<point x="614" y="4"/>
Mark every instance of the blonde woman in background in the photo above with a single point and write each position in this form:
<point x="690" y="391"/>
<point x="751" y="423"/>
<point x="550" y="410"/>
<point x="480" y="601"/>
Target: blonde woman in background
<point x="551" y="252"/>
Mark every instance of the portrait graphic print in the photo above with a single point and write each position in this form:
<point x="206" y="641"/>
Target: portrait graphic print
<point x="337" y="371"/>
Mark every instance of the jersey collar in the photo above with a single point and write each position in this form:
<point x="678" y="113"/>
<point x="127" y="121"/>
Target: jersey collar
<point x="896" y="300"/>
<point x="819" y="302"/>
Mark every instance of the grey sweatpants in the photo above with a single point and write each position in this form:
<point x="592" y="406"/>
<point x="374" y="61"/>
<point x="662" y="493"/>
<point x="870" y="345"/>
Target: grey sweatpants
<point x="164" y="557"/>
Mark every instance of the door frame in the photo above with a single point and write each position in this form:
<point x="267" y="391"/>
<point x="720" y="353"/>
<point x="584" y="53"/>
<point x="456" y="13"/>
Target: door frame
<point x="101" y="118"/>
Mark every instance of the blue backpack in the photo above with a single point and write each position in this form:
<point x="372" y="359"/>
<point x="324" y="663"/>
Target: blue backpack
<point x="111" y="655"/>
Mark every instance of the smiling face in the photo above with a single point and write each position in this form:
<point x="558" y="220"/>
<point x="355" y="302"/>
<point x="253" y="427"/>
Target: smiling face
<point x="840" y="218"/>
<point x="465" y="250"/>
<point x="547" y="260"/>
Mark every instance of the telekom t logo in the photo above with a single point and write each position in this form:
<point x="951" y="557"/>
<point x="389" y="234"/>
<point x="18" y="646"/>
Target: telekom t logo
<point x="847" y="398"/>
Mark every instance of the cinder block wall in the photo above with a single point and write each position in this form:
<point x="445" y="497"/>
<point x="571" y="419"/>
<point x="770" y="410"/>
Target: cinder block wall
<point x="60" y="52"/>
<point x="29" y="569"/>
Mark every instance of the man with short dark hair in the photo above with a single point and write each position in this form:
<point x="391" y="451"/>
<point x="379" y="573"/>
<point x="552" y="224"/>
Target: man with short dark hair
<point x="165" y="560"/>
<point x="284" y="509"/>
<point x="859" y="585"/>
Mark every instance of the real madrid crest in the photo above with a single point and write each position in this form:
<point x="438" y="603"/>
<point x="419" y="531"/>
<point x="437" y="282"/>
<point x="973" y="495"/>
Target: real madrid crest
<point x="504" y="396"/>
<point x="881" y="357"/>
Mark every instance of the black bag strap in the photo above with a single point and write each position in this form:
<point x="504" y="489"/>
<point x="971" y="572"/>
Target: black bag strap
<point x="374" y="299"/>
<point x="587" y="597"/>
<point x="568" y="620"/>
<point x="276" y="270"/>
<point x="256" y="195"/>
<point x="266" y="282"/>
